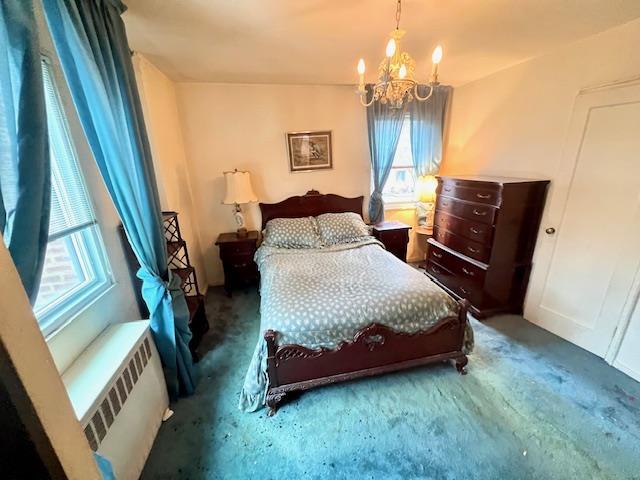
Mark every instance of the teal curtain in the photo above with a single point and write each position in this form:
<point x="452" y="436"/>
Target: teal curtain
<point x="427" y="129"/>
<point x="104" y="467"/>
<point x="91" y="41"/>
<point x="384" y="125"/>
<point x="25" y="175"/>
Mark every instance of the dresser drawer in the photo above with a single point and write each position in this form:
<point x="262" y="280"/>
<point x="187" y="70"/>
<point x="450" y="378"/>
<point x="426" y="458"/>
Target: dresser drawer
<point x="478" y="232"/>
<point x="462" y="288"/>
<point x="471" y="211"/>
<point x="458" y="266"/>
<point x="241" y="260"/>
<point x="463" y="245"/>
<point x="482" y="193"/>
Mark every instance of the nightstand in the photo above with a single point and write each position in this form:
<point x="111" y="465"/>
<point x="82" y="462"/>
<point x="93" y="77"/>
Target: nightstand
<point x="424" y="234"/>
<point x="236" y="254"/>
<point x="395" y="237"/>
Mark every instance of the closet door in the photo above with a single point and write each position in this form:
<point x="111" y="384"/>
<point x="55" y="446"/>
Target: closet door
<point x="588" y="256"/>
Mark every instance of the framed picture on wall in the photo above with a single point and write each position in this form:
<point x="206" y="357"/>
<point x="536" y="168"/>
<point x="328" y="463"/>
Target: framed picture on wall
<point x="309" y="151"/>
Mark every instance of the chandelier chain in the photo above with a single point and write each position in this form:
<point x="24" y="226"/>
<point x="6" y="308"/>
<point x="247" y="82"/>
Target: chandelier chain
<point x="398" y="13"/>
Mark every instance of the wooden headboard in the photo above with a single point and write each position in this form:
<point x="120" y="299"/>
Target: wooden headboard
<point x="310" y="204"/>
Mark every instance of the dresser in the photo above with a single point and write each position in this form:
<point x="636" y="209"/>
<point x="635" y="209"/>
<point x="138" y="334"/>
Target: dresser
<point x="484" y="235"/>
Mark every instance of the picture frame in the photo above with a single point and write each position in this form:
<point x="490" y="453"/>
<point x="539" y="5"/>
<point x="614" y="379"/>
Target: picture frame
<point x="310" y="150"/>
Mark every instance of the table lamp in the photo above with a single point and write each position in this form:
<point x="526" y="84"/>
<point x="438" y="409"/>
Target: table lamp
<point x="426" y="196"/>
<point x="238" y="191"/>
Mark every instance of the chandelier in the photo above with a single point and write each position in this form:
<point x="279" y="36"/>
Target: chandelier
<point x="396" y="84"/>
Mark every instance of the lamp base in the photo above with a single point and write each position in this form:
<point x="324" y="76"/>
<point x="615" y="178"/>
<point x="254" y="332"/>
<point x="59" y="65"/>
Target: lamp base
<point x="239" y="218"/>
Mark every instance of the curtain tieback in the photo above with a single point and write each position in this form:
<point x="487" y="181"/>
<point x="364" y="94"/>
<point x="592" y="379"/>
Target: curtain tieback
<point x="154" y="288"/>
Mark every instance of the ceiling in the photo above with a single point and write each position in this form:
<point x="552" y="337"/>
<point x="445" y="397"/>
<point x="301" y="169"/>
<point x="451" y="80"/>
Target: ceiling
<point x="320" y="41"/>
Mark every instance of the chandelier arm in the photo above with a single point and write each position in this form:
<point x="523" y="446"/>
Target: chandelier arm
<point x="417" y="95"/>
<point x="363" y="103"/>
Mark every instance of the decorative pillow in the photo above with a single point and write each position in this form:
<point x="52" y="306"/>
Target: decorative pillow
<point x="337" y="228"/>
<point x="292" y="233"/>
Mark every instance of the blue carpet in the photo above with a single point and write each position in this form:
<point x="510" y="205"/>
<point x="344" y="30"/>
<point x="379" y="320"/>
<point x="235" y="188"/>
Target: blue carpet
<point x="532" y="407"/>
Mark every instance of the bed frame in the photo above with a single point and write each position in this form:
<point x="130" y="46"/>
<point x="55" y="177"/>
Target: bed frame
<point x="374" y="350"/>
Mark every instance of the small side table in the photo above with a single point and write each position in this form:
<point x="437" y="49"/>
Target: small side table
<point x="395" y="237"/>
<point x="425" y="234"/>
<point x="236" y="254"/>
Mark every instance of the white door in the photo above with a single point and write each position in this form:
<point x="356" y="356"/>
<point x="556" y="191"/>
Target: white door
<point x="589" y="244"/>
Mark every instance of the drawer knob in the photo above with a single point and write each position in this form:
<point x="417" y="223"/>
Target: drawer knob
<point x="483" y="195"/>
<point x="467" y="272"/>
<point x="437" y="255"/>
<point x="473" y="250"/>
<point x="480" y="213"/>
<point x="447" y="189"/>
<point x="464" y="290"/>
<point x="550" y="231"/>
<point x="434" y="269"/>
<point x="474" y="230"/>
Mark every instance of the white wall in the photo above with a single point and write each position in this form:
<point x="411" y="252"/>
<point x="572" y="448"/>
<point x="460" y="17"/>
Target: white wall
<point x="21" y="338"/>
<point x="229" y="126"/>
<point x="515" y="121"/>
<point x="158" y="96"/>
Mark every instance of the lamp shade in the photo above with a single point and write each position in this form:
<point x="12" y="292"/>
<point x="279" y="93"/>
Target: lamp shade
<point x="426" y="188"/>
<point x="239" y="189"/>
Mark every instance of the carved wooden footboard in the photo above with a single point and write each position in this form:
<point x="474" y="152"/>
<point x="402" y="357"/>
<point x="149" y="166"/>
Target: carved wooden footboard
<point x="374" y="350"/>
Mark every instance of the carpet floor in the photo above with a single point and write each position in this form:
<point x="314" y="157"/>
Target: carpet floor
<point x="531" y="407"/>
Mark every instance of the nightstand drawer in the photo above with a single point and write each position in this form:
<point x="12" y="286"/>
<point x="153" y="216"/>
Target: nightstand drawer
<point x="238" y="261"/>
<point x="241" y="248"/>
<point x="395" y="236"/>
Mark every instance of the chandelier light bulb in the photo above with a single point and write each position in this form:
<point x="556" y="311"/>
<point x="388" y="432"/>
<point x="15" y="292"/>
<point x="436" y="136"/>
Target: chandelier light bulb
<point x="403" y="71"/>
<point x="391" y="48"/>
<point x="361" y="66"/>
<point x="436" y="57"/>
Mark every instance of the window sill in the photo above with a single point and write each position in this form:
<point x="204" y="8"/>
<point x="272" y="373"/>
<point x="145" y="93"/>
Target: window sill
<point x="399" y="206"/>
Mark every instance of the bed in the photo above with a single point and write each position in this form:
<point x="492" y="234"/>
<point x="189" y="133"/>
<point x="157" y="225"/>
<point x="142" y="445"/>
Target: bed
<point x="345" y="311"/>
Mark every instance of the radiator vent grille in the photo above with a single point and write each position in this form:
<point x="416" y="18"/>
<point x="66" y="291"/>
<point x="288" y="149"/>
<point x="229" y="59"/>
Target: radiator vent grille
<point x="113" y="402"/>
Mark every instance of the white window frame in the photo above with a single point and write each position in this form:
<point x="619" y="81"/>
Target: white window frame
<point x="402" y="203"/>
<point x="86" y="240"/>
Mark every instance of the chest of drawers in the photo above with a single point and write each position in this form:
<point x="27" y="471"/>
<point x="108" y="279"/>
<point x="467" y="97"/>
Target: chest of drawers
<point x="484" y="235"/>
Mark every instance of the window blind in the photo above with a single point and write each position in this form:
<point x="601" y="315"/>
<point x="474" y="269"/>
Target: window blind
<point x="70" y="205"/>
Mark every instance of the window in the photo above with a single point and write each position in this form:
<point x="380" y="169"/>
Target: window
<point x="400" y="186"/>
<point x="76" y="270"/>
